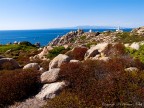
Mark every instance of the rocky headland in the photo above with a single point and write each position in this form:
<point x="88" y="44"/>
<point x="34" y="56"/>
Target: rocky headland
<point x="77" y="70"/>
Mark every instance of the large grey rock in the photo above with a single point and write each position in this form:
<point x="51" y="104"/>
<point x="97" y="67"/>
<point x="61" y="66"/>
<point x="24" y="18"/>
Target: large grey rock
<point x="32" y="66"/>
<point x="50" y="76"/>
<point x="49" y="91"/>
<point x="93" y="51"/>
<point x="58" y="60"/>
<point x="135" y="46"/>
<point x="45" y="51"/>
<point x="13" y="62"/>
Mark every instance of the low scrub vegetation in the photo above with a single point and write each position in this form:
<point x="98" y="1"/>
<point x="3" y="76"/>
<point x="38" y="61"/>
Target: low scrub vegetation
<point x="79" y="53"/>
<point x="96" y="84"/>
<point x="127" y="37"/>
<point x="137" y="54"/>
<point x="90" y="44"/>
<point x="20" y="52"/>
<point x="56" y="51"/>
<point x="117" y="49"/>
<point x="15" y="47"/>
<point x="16" y="85"/>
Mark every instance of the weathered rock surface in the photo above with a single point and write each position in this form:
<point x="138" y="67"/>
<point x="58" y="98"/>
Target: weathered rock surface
<point x="58" y="60"/>
<point x="131" y="69"/>
<point x="41" y="69"/>
<point x="50" y="76"/>
<point x="66" y="38"/>
<point x="13" y="62"/>
<point x="139" y="30"/>
<point x="135" y="46"/>
<point x="42" y="55"/>
<point x="32" y="66"/>
<point x="49" y="91"/>
<point x="30" y="103"/>
<point x="74" y="61"/>
<point x="93" y="51"/>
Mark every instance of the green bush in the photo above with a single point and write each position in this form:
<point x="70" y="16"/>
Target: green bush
<point x="137" y="54"/>
<point x="26" y="43"/>
<point x="26" y="46"/>
<point x="17" y="85"/>
<point x="56" y="51"/>
<point x="127" y="37"/>
<point x="90" y="44"/>
<point x="83" y="37"/>
<point x="4" y="48"/>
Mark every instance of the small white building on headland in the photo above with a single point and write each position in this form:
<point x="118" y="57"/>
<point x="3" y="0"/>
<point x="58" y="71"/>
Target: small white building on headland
<point x="119" y="30"/>
<point x="90" y="31"/>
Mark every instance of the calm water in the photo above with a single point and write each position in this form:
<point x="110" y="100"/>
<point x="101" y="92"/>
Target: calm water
<point x="33" y="36"/>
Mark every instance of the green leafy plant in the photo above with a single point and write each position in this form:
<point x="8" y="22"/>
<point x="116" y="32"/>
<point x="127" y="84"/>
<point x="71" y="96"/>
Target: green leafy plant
<point x="83" y="37"/>
<point x="137" y="54"/>
<point x="55" y="51"/>
<point x="127" y="37"/>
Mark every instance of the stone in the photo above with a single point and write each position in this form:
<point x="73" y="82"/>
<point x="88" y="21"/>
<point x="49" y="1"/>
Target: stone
<point x="93" y="51"/>
<point x="135" y="46"/>
<point x="45" y="51"/>
<point x="58" y="60"/>
<point x="74" y="61"/>
<point x="41" y="69"/>
<point x="50" y="76"/>
<point x="105" y="59"/>
<point x="49" y="91"/>
<point x="12" y="61"/>
<point x="131" y="69"/>
<point x="8" y="51"/>
<point x="42" y="54"/>
<point x="32" y="66"/>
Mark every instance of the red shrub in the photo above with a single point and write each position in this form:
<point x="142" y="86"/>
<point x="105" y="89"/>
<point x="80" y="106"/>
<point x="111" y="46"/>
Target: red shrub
<point x="79" y="52"/>
<point x="99" y="83"/>
<point x="17" y="85"/>
<point x="115" y="50"/>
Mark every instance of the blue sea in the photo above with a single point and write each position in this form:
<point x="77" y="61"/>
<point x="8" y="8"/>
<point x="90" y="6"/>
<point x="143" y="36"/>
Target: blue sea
<point x="42" y="36"/>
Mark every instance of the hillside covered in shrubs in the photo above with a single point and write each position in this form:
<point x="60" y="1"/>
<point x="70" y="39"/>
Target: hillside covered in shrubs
<point x="78" y="70"/>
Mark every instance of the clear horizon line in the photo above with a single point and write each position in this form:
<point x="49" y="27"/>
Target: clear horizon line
<point x="72" y="27"/>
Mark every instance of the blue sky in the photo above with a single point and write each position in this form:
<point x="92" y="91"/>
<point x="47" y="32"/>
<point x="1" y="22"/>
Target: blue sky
<point x="43" y="14"/>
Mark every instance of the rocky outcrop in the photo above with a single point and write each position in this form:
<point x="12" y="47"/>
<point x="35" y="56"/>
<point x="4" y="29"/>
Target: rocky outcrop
<point x="13" y="62"/>
<point x="32" y="66"/>
<point x="66" y="38"/>
<point x="50" y="76"/>
<point x="58" y="60"/>
<point x="96" y="50"/>
<point x="139" y="31"/>
<point x="42" y="55"/>
<point x="74" y="61"/>
<point x="49" y="91"/>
